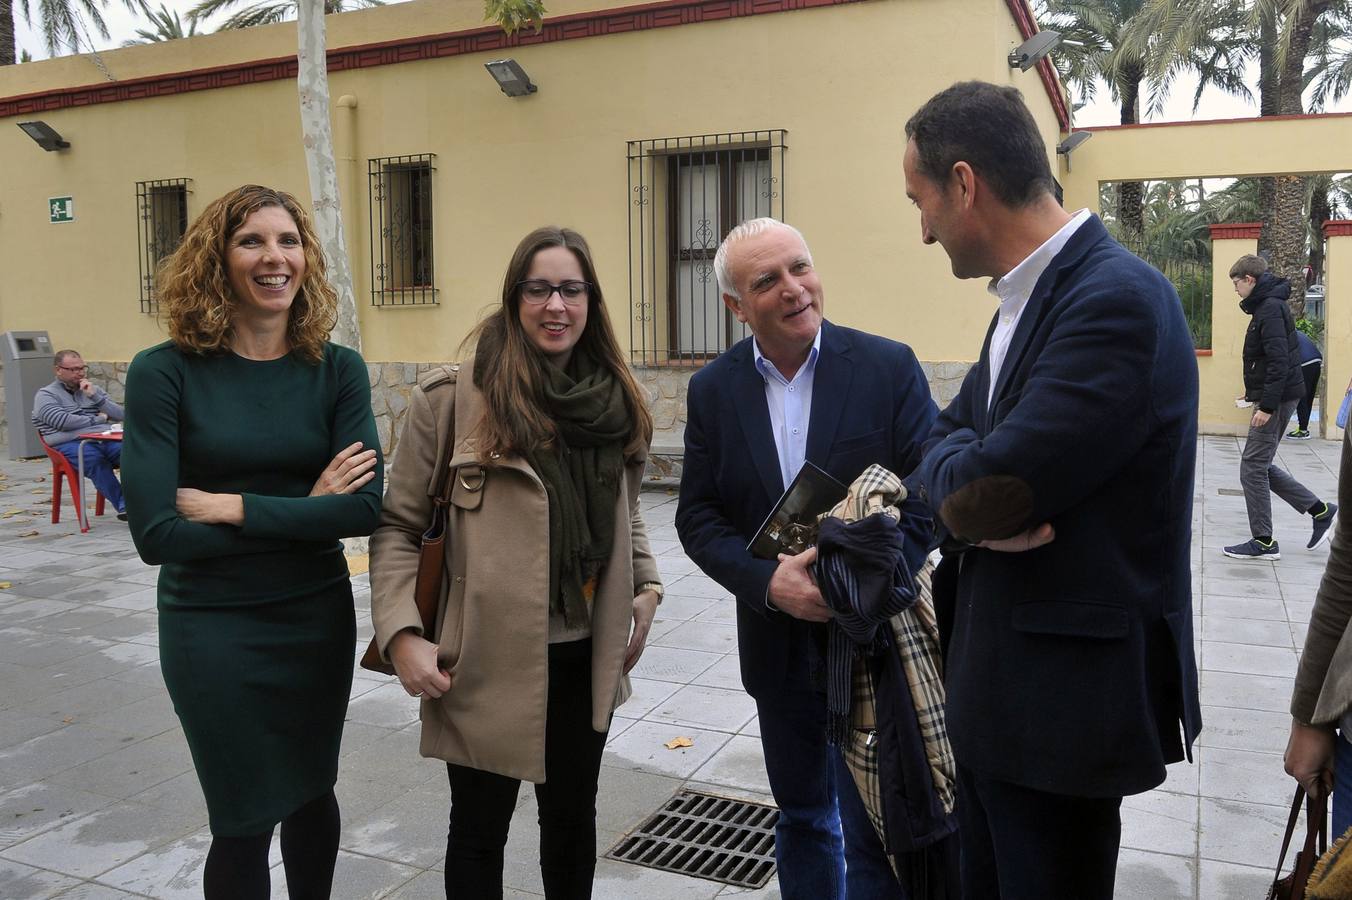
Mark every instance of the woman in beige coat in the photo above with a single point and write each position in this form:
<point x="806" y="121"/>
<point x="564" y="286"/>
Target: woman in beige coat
<point x="1321" y="703"/>
<point x="545" y="434"/>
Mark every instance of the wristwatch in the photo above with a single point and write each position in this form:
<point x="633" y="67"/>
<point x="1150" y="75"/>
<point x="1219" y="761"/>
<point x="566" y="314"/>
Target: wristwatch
<point x="655" y="587"/>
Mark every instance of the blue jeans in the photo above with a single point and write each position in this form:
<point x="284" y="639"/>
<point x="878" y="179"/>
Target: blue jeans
<point x="825" y="845"/>
<point x="1342" y="787"/>
<point x="99" y="459"/>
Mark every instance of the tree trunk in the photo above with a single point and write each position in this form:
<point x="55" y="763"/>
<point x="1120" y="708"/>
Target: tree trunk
<point x="1130" y="194"/>
<point x="1268" y="105"/>
<point x="1320" y="212"/>
<point x="7" y="50"/>
<point x="1289" y="220"/>
<point x="317" y="135"/>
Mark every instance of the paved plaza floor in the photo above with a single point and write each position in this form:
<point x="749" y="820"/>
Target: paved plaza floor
<point x="98" y="797"/>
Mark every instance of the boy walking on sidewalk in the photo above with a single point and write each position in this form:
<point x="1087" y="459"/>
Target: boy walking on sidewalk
<point x="1274" y="384"/>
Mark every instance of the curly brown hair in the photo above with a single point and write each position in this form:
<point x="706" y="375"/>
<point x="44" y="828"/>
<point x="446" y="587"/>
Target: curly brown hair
<point x="194" y="286"/>
<point x="510" y="370"/>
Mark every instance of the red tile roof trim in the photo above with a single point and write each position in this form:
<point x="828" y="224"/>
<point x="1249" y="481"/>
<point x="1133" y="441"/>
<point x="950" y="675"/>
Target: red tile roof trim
<point x="1236" y="231"/>
<point x="1337" y="228"/>
<point x="488" y="38"/>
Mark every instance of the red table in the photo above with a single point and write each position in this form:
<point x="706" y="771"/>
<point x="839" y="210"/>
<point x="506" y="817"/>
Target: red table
<point x="109" y="435"/>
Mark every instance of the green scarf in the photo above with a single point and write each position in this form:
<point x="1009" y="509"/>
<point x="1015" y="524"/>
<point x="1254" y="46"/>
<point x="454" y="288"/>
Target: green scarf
<point x="581" y="475"/>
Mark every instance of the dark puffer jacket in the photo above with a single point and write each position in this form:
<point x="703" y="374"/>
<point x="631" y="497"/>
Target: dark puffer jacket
<point x="1271" y="355"/>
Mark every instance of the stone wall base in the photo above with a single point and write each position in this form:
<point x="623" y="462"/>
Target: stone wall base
<point x="393" y="382"/>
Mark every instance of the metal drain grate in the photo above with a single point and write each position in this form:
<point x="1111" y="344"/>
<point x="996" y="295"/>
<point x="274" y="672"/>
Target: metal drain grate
<point x="705" y="836"/>
<point x="1230" y="492"/>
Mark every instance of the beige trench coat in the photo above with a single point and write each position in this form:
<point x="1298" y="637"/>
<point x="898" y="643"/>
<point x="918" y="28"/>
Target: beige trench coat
<point x="1323" y="688"/>
<point x="493" y="627"/>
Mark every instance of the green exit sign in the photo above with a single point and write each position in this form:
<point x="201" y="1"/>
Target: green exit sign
<point x="61" y="209"/>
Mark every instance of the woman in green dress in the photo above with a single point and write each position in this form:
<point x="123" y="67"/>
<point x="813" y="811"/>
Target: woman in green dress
<point x="250" y="450"/>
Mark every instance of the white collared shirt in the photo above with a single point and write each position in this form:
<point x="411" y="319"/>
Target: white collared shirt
<point x="790" y="404"/>
<point x="1015" y="289"/>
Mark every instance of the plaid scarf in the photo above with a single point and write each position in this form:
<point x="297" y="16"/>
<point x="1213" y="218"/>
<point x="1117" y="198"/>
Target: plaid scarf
<point x="911" y="632"/>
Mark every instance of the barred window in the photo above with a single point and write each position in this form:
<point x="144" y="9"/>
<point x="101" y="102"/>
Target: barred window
<point x="401" y="230"/>
<point x="161" y="219"/>
<point x="685" y="194"/>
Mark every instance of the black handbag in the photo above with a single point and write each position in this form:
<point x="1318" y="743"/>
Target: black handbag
<point x="1292" y="887"/>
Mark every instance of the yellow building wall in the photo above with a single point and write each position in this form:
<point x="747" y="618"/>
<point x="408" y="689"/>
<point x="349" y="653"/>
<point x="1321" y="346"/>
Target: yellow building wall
<point x="1337" y="330"/>
<point x="842" y="80"/>
<point x="1236" y="149"/>
<point x="1221" y="374"/>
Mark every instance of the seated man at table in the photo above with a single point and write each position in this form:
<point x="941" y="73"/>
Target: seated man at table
<point x="70" y="406"/>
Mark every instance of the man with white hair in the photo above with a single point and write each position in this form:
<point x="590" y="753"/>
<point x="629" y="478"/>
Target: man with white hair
<point x="799" y="389"/>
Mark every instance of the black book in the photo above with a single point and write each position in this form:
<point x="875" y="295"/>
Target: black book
<point x="791" y="526"/>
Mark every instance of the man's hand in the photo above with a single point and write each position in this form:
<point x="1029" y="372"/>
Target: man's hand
<point x="415" y="662"/>
<point x="1260" y="418"/>
<point x="793" y="591"/>
<point x="1309" y="758"/>
<point x="348" y="471"/>
<point x="209" y="509"/>
<point x="86" y="387"/>
<point x="1030" y="540"/>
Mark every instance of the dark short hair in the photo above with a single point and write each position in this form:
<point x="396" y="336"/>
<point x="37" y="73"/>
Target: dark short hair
<point x="62" y="355"/>
<point x="1248" y="266"/>
<point x="990" y="128"/>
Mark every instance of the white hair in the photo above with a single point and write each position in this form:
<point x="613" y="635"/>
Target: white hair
<point x="749" y="228"/>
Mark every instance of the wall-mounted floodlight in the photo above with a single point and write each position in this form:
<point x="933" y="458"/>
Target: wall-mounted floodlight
<point x="45" y="135"/>
<point x="1027" y="54"/>
<point x="1072" y="141"/>
<point x="510" y="77"/>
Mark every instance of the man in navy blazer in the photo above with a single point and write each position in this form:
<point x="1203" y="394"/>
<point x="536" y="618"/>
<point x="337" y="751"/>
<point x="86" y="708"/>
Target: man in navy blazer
<point x="799" y="388"/>
<point x="1063" y="476"/>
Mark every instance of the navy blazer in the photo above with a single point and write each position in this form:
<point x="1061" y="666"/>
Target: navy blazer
<point x="870" y="404"/>
<point x="1070" y="667"/>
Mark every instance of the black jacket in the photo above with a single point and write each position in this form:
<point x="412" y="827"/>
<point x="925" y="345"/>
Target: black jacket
<point x="1271" y="354"/>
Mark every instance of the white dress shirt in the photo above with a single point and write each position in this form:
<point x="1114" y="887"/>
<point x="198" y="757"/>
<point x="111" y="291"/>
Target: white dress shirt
<point x="790" y="403"/>
<point x="1015" y="289"/>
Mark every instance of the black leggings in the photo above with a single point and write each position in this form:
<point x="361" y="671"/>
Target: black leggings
<point x="482" y="802"/>
<point x="1311" y="373"/>
<point x="237" y="867"/>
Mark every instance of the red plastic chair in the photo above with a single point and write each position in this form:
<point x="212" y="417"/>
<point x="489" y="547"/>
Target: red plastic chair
<point x="62" y="468"/>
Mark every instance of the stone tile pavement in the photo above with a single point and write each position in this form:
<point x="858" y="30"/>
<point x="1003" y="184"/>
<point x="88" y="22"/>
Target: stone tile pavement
<point x="98" y="798"/>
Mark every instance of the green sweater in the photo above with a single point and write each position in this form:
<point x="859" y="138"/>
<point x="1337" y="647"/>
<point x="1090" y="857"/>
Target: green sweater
<point x="226" y="424"/>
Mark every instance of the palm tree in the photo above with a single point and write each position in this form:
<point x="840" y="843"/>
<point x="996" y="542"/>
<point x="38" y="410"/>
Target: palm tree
<point x="1093" y="31"/>
<point x="167" y="26"/>
<point x="1108" y="40"/>
<point x="312" y="86"/>
<point x="63" y="24"/>
<point x="266" y="12"/>
<point x="1283" y="34"/>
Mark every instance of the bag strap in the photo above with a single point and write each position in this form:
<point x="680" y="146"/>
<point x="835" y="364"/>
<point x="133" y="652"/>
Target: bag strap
<point x="1290" y="830"/>
<point x="442" y="483"/>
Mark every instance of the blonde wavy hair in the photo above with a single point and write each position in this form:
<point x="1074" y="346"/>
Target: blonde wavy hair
<point x="194" y="284"/>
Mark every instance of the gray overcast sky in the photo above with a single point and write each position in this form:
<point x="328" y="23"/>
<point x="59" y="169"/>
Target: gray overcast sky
<point x="122" y="25"/>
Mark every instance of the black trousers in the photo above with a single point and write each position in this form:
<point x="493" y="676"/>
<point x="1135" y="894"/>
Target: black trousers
<point x="1311" y="373"/>
<point x="482" y="802"/>
<point x="1022" y="844"/>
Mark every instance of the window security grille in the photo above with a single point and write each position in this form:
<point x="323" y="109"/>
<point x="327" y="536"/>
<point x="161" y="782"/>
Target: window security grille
<point x="685" y="194"/>
<point x="401" y="230"/>
<point x="161" y="219"/>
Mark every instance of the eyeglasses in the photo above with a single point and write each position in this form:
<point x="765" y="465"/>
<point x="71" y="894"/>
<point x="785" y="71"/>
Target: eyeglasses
<point x="536" y="291"/>
<point x="73" y="368"/>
